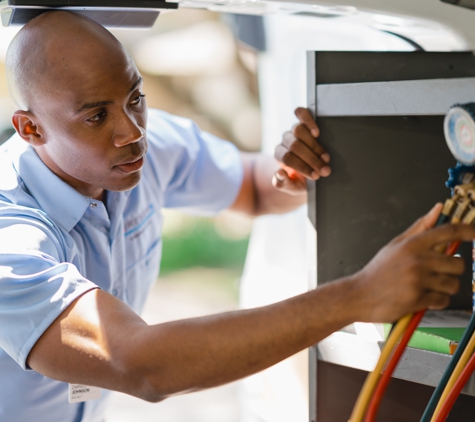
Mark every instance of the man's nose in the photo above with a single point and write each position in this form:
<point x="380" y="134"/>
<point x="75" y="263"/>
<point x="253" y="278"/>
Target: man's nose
<point x="127" y="131"/>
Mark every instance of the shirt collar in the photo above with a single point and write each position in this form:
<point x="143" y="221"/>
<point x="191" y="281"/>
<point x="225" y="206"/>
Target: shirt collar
<point x="61" y="202"/>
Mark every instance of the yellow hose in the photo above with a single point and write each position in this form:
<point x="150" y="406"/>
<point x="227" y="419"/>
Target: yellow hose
<point x="372" y="379"/>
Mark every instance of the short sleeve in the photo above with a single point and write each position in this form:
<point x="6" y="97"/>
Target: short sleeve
<point x="35" y="287"/>
<point x="197" y="171"/>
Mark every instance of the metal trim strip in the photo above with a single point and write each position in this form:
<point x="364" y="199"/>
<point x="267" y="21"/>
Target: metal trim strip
<point x="400" y="98"/>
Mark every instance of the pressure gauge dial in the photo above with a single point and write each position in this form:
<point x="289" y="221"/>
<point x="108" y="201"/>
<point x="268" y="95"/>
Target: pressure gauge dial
<point x="459" y="130"/>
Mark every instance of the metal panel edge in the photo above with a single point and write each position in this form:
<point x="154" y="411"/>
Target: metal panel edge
<point x="312" y="241"/>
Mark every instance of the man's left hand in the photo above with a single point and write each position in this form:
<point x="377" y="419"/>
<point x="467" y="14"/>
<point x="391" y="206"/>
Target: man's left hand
<point x="300" y="156"/>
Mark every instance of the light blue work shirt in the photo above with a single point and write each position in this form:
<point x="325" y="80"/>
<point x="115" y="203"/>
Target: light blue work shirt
<point x="56" y="244"/>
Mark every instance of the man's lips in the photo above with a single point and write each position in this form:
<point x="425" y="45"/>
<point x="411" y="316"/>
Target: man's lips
<point x="131" y="165"/>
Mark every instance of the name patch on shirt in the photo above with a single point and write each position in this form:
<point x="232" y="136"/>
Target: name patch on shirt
<point x="80" y="392"/>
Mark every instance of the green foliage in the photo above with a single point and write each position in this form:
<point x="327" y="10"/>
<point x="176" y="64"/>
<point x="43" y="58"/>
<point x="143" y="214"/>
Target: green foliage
<point x="202" y="246"/>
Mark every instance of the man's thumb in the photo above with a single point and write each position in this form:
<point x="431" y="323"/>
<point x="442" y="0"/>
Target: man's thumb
<point x="424" y="223"/>
<point x="281" y="179"/>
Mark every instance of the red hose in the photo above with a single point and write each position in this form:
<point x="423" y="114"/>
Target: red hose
<point x="452" y="248"/>
<point x="388" y="371"/>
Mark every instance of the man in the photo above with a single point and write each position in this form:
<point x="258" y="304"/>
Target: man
<point x="81" y="190"/>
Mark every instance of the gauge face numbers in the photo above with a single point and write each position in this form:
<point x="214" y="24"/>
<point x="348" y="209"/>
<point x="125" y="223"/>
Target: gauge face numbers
<point x="459" y="130"/>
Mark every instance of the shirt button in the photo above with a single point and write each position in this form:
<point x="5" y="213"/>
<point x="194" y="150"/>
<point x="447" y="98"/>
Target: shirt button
<point x="93" y="204"/>
<point x="114" y="292"/>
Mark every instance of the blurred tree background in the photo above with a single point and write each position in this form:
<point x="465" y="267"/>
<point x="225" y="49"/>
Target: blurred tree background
<point x="219" y="242"/>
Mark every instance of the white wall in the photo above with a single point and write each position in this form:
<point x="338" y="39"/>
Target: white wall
<point x="276" y="266"/>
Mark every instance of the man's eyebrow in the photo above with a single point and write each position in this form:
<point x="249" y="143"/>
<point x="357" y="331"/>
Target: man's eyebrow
<point x="87" y="106"/>
<point x="137" y="83"/>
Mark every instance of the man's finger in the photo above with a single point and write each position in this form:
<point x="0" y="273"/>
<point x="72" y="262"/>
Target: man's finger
<point x="301" y="150"/>
<point x="282" y="181"/>
<point x="435" y="300"/>
<point x="446" y="234"/>
<point x="445" y="284"/>
<point x="301" y="132"/>
<point x="306" y="118"/>
<point x="285" y="156"/>
<point x="424" y="223"/>
<point x="435" y="262"/>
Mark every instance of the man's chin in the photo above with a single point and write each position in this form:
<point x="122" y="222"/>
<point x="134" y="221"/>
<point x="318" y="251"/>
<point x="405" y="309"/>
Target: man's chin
<point x="127" y="183"/>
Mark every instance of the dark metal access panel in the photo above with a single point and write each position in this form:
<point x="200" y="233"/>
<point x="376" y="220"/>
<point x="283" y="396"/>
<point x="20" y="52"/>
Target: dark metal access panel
<point x="381" y="119"/>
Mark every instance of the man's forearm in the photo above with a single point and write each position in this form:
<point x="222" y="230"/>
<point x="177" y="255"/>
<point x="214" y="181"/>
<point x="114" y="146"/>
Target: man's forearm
<point x="115" y="349"/>
<point x="200" y="353"/>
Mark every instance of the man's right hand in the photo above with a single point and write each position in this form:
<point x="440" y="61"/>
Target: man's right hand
<point x="409" y="274"/>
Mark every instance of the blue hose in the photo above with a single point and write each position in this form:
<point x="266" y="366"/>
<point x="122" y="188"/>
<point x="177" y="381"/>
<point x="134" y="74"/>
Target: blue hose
<point x="426" y="417"/>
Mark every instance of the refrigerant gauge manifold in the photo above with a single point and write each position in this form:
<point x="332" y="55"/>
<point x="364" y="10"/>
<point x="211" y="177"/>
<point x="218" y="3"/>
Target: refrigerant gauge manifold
<point x="459" y="130"/>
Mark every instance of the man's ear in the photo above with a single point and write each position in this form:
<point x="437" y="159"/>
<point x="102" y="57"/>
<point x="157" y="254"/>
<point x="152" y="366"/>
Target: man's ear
<point x="24" y="124"/>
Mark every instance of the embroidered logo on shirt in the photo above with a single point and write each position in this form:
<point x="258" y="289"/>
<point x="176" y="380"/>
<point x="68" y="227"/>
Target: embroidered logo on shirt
<point x="135" y="226"/>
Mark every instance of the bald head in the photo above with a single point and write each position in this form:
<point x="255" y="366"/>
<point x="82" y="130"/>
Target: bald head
<point x="53" y="50"/>
<point x="80" y="102"/>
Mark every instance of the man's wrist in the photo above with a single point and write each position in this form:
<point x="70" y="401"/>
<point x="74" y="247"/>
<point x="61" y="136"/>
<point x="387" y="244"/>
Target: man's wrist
<point x="353" y="303"/>
<point x="340" y="301"/>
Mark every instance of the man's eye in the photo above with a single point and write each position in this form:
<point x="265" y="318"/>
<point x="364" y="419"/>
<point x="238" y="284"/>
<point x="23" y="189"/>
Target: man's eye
<point x="137" y="100"/>
<point x="97" y="117"/>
